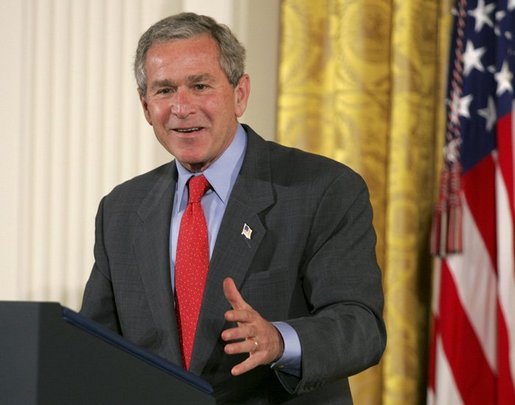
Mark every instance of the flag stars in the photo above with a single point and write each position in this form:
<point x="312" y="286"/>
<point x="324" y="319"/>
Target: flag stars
<point x="482" y="14"/>
<point x="472" y="58"/>
<point x="460" y="107"/>
<point x="499" y="15"/>
<point x="489" y="114"/>
<point x="464" y="110"/>
<point x="503" y="79"/>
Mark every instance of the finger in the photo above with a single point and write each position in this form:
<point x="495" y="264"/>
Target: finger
<point x="254" y="345"/>
<point x="243" y="316"/>
<point x="239" y="333"/>
<point x="250" y="346"/>
<point x="233" y="295"/>
<point x="247" y="365"/>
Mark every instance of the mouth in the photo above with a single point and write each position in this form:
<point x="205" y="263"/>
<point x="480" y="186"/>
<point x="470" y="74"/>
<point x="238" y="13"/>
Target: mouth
<point x="189" y="130"/>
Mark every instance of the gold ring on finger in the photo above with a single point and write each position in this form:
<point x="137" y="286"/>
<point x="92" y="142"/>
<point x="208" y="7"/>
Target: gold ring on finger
<point x="256" y="344"/>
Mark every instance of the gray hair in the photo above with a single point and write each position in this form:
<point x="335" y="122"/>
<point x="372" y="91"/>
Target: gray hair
<point x="186" y="26"/>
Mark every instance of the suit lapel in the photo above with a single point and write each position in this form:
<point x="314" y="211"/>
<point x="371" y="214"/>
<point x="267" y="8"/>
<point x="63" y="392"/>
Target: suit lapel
<point x="234" y="252"/>
<point x="152" y="255"/>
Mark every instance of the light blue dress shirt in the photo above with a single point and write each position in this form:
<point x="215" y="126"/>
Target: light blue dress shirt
<point x="214" y="203"/>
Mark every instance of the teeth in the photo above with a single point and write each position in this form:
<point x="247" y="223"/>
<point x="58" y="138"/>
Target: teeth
<point x="186" y="130"/>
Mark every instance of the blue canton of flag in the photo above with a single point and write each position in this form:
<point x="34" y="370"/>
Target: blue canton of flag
<point x="487" y="89"/>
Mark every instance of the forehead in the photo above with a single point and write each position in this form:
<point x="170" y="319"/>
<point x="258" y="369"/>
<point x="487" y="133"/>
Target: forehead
<point x="179" y="60"/>
<point x="195" y="50"/>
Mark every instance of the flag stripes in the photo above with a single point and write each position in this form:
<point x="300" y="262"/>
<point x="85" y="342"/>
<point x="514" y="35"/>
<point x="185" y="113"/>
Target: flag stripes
<point x="473" y="343"/>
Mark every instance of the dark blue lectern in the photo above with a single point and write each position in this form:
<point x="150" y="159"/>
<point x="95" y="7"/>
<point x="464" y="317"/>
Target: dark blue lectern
<point x="52" y="355"/>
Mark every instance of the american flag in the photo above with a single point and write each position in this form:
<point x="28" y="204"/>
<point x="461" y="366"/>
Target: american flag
<point x="473" y="343"/>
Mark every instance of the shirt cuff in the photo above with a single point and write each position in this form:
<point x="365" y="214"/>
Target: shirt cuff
<point x="290" y="361"/>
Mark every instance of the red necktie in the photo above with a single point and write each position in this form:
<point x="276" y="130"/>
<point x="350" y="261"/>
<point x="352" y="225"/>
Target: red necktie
<point x="191" y="265"/>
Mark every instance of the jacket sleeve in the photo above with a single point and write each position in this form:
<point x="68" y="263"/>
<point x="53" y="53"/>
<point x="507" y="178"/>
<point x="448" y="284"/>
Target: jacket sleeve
<point x="345" y="332"/>
<point x="98" y="301"/>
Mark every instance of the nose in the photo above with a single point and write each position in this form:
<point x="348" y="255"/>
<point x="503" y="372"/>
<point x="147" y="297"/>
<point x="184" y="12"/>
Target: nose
<point x="182" y="106"/>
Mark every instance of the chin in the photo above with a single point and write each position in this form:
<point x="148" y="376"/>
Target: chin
<point x="190" y="163"/>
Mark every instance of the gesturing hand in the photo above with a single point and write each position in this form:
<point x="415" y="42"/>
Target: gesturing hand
<point x="253" y="334"/>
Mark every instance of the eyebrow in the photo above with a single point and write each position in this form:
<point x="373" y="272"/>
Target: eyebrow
<point x="162" y="83"/>
<point x="199" y="78"/>
<point x="205" y="77"/>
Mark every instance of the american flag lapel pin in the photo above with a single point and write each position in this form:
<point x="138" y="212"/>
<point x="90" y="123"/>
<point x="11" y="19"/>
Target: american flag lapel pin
<point x="246" y="231"/>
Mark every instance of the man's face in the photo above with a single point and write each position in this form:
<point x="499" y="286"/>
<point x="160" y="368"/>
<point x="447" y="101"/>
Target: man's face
<point x="189" y="100"/>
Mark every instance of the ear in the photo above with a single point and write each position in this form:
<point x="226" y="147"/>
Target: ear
<point x="144" y="105"/>
<point x="241" y="95"/>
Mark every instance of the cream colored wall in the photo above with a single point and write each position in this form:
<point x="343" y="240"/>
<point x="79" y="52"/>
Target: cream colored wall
<point x="71" y="125"/>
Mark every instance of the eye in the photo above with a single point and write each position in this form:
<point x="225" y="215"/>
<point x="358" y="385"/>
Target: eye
<point x="200" y="86"/>
<point x="164" y="90"/>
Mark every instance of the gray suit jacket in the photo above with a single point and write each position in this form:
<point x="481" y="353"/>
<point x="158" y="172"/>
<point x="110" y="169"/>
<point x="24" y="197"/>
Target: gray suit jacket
<point x="310" y="261"/>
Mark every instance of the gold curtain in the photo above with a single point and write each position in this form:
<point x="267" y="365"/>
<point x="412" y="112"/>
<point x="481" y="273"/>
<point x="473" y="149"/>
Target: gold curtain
<point x="362" y="81"/>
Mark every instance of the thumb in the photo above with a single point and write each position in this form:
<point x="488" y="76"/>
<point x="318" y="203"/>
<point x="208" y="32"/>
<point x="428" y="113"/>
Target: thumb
<point x="233" y="295"/>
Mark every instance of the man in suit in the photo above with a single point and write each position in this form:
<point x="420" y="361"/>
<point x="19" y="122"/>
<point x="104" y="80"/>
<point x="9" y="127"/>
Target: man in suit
<point x="292" y="301"/>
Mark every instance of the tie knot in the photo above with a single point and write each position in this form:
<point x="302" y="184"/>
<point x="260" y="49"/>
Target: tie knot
<point x="197" y="186"/>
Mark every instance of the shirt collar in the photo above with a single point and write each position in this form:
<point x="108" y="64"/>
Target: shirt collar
<point x="217" y="173"/>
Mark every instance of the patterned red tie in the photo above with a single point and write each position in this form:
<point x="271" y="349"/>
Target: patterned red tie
<point x="191" y="265"/>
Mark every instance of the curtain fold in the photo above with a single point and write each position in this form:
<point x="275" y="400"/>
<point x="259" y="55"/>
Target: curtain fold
<point x="362" y="81"/>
